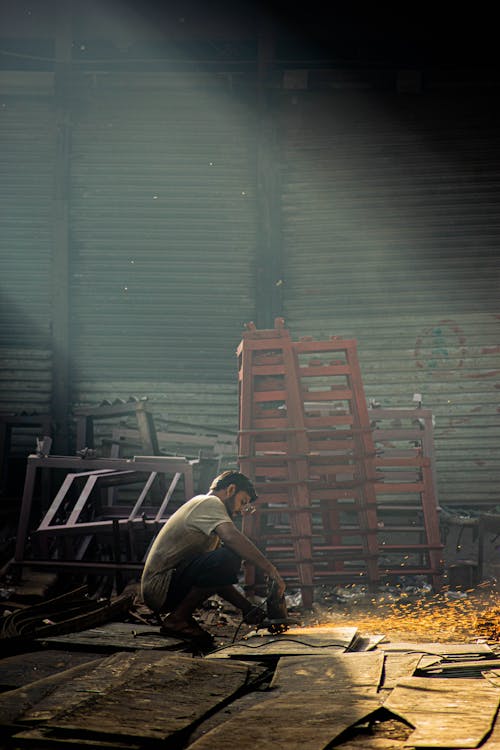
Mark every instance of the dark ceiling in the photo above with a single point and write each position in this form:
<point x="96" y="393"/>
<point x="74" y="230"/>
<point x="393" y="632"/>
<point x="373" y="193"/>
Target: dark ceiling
<point x="311" y="34"/>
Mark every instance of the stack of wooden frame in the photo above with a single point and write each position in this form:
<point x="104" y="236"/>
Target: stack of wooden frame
<point x="306" y="439"/>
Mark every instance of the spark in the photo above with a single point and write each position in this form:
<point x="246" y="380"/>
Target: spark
<point x="436" y="617"/>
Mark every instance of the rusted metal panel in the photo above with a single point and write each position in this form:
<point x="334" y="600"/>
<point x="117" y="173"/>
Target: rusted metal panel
<point x="391" y="237"/>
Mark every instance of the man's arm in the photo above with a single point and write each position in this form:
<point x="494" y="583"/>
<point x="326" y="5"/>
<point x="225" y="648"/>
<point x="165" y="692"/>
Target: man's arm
<point x="239" y="543"/>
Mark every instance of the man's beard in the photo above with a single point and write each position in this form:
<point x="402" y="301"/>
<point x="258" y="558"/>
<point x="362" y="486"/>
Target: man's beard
<point x="230" y="505"/>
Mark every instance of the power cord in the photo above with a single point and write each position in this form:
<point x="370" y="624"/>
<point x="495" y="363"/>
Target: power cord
<point x="287" y="639"/>
<point x="235" y="634"/>
<point x="255" y="608"/>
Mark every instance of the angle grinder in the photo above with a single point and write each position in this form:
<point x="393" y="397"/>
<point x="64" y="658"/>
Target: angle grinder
<point x="277" y="619"/>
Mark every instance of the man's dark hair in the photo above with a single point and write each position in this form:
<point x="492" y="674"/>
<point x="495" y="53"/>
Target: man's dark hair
<point x="241" y="481"/>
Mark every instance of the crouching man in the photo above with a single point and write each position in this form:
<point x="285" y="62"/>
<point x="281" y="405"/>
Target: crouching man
<point x="197" y="553"/>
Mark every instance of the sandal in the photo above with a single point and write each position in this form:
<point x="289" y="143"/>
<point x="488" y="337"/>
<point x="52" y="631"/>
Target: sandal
<point x="187" y="632"/>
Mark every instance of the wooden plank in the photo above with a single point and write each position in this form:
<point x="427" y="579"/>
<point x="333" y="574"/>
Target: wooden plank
<point x="117" y="636"/>
<point x="470" y="665"/>
<point x="107" y="674"/>
<point x="399" y="665"/>
<point x="313" y="642"/>
<point x="324" y="673"/>
<point x="242" y="651"/>
<point x="323" y="635"/>
<point x="493" y="741"/>
<point x="439" y="649"/>
<point x="110" y="673"/>
<point x="41" y="738"/>
<point x="365" y="642"/>
<point x="291" y="722"/>
<point x="133" y="705"/>
<point x="15" y="703"/>
<point x="456" y="713"/>
<point x="21" y="669"/>
<point x="493" y="676"/>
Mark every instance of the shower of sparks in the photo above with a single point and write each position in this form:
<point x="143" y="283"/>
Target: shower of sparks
<point x="438" y="617"/>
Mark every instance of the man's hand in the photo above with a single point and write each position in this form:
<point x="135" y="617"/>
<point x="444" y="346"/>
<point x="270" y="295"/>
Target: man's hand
<point x="280" y="583"/>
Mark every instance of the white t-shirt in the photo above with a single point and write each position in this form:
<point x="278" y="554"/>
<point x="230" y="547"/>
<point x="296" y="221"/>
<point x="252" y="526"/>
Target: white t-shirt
<point x="189" y="532"/>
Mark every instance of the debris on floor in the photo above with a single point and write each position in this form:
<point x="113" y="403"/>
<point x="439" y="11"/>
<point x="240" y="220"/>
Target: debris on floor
<point x="341" y="678"/>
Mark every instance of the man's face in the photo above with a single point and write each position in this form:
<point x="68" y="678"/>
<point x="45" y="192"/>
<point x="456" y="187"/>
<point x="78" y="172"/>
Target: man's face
<point x="237" y="501"/>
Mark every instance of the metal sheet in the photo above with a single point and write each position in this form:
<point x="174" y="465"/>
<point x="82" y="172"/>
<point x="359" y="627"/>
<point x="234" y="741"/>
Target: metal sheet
<point x="391" y="237"/>
<point x="164" y="233"/>
<point x="27" y="166"/>
<point x="25" y="380"/>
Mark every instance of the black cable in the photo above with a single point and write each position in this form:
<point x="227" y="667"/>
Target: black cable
<point x="287" y="640"/>
<point x="235" y="632"/>
<point x="252" y="609"/>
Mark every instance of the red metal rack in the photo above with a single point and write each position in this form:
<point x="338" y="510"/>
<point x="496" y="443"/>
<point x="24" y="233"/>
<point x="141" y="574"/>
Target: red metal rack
<point x="306" y="439"/>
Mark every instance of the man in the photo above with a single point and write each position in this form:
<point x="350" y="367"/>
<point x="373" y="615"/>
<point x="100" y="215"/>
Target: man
<point x="198" y="553"/>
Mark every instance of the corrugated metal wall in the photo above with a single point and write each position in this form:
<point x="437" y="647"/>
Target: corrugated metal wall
<point x="27" y="155"/>
<point x="163" y="241"/>
<point x="391" y="236"/>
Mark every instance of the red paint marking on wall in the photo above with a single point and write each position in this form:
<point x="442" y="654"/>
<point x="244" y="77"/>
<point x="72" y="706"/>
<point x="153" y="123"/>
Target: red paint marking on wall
<point x="490" y="350"/>
<point x="439" y="338"/>
<point x="453" y="421"/>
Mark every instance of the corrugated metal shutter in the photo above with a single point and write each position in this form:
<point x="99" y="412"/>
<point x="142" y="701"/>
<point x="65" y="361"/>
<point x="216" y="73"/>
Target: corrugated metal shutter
<point x="391" y="236"/>
<point x="163" y="241"/>
<point x="27" y="137"/>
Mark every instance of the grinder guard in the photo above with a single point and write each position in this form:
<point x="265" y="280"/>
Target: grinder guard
<point x="277" y="620"/>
